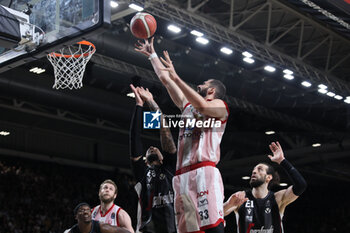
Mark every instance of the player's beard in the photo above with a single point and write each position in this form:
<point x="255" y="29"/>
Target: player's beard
<point x="203" y="92"/>
<point x="257" y="182"/>
<point x="107" y="200"/>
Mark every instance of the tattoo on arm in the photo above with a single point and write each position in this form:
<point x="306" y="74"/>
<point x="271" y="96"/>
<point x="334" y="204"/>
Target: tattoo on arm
<point x="166" y="138"/>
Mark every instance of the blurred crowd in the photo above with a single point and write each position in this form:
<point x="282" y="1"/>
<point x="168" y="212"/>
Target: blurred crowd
<point x="38" y="197"/>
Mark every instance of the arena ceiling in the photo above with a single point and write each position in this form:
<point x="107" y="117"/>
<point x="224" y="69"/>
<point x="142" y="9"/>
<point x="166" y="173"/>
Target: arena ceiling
<point x="90" y="126"/>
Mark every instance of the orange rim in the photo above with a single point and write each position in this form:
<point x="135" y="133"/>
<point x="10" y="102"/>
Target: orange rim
<point x="84" y="42"/>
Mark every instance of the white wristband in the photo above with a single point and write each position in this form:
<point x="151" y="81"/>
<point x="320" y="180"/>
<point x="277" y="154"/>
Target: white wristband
<point x="153" y="55"/>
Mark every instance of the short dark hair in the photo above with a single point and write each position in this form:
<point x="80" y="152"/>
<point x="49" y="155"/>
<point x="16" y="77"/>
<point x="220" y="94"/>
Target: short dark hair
<point x="220" y="89"/>
<point x="76" y="209"/>
<point x="109" y="182"/>
<point x="275" y="176"/>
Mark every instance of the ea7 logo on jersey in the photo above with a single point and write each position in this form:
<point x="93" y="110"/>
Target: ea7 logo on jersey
<point x="249" y="204"/>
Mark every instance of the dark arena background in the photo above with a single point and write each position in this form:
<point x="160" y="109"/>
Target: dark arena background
<point x="57" y="146"/>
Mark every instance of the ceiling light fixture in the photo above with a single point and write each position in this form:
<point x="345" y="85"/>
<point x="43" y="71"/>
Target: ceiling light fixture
<point x="4" y="133"/>
<point x="288" y="76"/>
<point x="247" y="54"/>
<point x="226" y="50"/>
<point x="270" y="68"/>
<point x="338" y="97"/>
<point x="136" y="7"/>
<point x="316" y="145"/>
<point x="174" y="28"/>
<point x="270" y="132"/>
<point x="248" y="60"/>
<point x="202" y="40"/>
<point x="322" y="91"/>
<point x="322" y="86"/>
<point x="37" y="70"/>
<point x="287" y="71"/>
<point x="131" y="94"/>
<point x="197" y="33"/>
<point x="306" y="84"/>
<point x="114" y="4"/>
<point x="330" y="94"/>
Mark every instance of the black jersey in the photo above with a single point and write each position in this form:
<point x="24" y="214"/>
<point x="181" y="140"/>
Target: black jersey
<point x="154" y="187"/>
<point x="259" y="215"/>
<point x="94" y="229"/>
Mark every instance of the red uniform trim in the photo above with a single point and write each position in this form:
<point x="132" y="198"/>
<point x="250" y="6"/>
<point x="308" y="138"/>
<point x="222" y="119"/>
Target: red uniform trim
<point x="194" y="167"/>
<point x="228" y="112"/>
<point x="103" y="215"/>
<point x="202" y="229"/>
<point x="118" y="217"/>
<point x="186" y="105"/>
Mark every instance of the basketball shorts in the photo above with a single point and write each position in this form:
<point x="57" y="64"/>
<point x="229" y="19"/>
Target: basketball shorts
<point x="199" y="196"/>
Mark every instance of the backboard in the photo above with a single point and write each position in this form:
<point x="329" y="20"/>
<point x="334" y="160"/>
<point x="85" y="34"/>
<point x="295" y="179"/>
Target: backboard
<point x="63" y="21"/>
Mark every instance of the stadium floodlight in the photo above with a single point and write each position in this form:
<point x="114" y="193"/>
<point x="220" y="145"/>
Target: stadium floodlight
<point x="247" y="54"/>
<point x="37" y="70"/>
<point x="174" y="28"/>
<point x="196" y="33"/>
<point x="322" y="86"/>
<point x="136" y="7"/>
<point x="114" y="4"/>
<point x="202" y="40"/>
<point x="338" y="97"/>
<point x="287" y="71"/>
<point x="226" y="50"/>
<point x="131" y="95"/>
<point x="270" y="132"/>
<point x="283" y="184"/>
<point x="322" y="91"/>
<point x="248" y="60"/>
<point x="270" y="68"/>
<point x="288" y="76"/>
<point x="316" y="145"/>
<point x="4" y="133"/>
<point x="330" y="94"/>
<point x="245" y="177"/>
<point x="306" y="84"/>
<point x="347" y="101"/>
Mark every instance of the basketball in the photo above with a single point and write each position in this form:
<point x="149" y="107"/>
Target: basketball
<point x="143" y="25"/>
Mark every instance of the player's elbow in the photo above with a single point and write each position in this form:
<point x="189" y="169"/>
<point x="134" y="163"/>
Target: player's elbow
<point x="300" y="188"/>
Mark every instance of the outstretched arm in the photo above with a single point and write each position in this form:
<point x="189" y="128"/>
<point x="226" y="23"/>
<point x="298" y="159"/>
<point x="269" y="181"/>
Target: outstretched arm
<point x="215" y="108"/>
<point x="135" y="144"/>
<point x="166" y="138"/>
<point x="234" y="202"/>
<point x="106" y="228"/>
<point x="175" y="93"/>
<point x="125" y="221"/>
<point x="286" y="196"/>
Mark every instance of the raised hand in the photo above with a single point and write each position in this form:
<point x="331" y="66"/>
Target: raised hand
<point x="237" y="199"/>
<point x="145" y="94"/>
<point x="169" y="65"/>
<point x="278" y="155"/>
<point x="138" y="99"/>
<point x="145" y="48"/>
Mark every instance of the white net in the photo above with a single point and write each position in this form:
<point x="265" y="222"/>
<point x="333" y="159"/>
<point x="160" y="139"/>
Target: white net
<point x="69" y="64"/>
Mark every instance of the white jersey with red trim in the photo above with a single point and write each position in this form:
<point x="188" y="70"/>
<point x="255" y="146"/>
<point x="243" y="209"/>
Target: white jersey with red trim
<point x="196" y="144"/>
<point x="198" y="187"/>
<point x="110" y="217"/>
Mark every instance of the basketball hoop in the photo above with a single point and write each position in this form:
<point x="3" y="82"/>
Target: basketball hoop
<point x="69" y="64"/>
